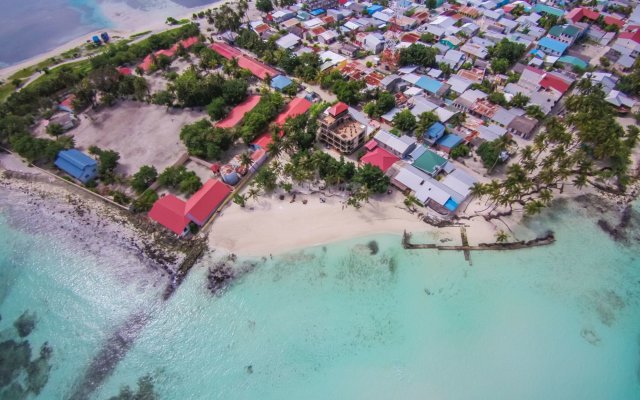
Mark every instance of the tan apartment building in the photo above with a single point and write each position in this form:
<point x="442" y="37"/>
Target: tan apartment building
<point x="339" y="130"/>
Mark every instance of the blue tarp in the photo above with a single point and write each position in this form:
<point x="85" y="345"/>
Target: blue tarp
<point x="374" y="9"/>
<point x="317" y="11"/>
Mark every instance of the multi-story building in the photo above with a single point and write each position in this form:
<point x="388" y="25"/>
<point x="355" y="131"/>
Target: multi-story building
<point x="339" y="130"/>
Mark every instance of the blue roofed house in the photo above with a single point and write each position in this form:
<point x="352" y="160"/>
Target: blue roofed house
<point x="77" y="164"/>
<point x="432" y="86"/>
<point x="434" y="132"/>
<point x="552" y="46"/>
<point x="280" y="82"/>
<point x="448" y="142"/>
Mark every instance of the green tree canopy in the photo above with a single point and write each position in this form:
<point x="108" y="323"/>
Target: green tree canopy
<point x="418" y="54"/>
<point x="142" y="179"/>
<point x="404" y="120"/>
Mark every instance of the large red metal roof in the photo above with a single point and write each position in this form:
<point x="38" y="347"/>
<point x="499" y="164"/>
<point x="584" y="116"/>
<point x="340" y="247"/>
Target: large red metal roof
<point x="186" y="43"/>
<point x="297" y="106"/>
<point x="203" y="202"/>
<point x="257" y="68"/>
<point x="238" y="112"/>
<point x="379" y="158"/>
<point x="169" y="212"/>
<point x="550" y="81"/>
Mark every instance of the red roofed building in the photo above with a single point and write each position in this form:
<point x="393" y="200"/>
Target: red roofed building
<point x="380" y="158"/>
<point x="410" y="38"/>
<point x="254" y="66"/>
<point x="610" y="20"/>
<point x="553" y="82"/>
<point x="171" y="52"/>
<point x="225" y="50"/>
<point x="577" y="14"/>
<point x="169" y="211"/>
<point x="297" y="106"/>
<point x="238" y="112"/>
<point x="175" y="214"/>
<point x="338" y="109"/>
<point x="124" y="71"/>
<point x="205" y="201"/>
<point x="635" y="36"/>
<point x="257" y="68"/>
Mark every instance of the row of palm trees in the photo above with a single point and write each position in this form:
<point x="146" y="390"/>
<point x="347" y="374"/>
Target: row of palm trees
<point x="575" y="151"/>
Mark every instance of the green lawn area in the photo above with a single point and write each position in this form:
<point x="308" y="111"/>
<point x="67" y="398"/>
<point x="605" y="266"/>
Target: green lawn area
<point x="82" y="66"/>
<point x="30" y="70"/>
<point x="5" y="91"/>
<point x="137" y="35"/>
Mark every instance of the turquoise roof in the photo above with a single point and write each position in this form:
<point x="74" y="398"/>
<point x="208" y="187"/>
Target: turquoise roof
<point x="574" y="61"/>
<point x="543" y="8"/>
<point x="429" y="84"/>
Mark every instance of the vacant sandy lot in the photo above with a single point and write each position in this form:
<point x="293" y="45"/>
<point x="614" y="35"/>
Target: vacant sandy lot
<point x="143" y="134"/>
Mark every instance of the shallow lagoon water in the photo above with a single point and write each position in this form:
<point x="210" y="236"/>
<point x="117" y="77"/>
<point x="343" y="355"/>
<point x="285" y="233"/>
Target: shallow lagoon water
<point x="32" y="27"/>
<point x="558" y="322"/>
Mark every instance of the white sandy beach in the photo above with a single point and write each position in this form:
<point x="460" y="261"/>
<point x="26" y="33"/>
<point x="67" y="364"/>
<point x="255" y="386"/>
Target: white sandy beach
<point x="268" y="225"/>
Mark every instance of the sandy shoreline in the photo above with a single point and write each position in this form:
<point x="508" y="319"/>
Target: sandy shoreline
<point x="127" y="21"/>
<point x="68" y="214"/>
<point x="269" y="225"/>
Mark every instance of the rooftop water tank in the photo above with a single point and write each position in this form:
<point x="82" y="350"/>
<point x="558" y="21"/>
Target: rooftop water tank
<point x="229" y="174"/>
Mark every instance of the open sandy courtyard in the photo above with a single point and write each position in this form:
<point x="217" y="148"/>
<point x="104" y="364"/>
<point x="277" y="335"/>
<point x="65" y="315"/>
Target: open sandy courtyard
<point x="143" y="134"/>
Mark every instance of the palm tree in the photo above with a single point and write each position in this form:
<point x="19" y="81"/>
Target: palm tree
<point x="502" y="237"/>
<point x="533" y="207"/>
<point x="253" y="193"/>
<point x="245" y="159"/>
<point x="239" y="199"/>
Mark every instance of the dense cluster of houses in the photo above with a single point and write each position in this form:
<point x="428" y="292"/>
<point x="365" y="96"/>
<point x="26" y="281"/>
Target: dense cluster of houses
<point x="563" y="42"/>
<point x="362" y="40"/>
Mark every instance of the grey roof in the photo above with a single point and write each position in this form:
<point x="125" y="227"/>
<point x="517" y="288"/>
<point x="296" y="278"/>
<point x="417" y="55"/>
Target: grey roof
<point x="389" y="80"/>
<point x="288" y="41"/>
<point x="626" y="61"/>
<point x="460" y="182"/>
<point x="399" y="144"/>
<point x="492" y="14"/>
<point x="523" y="125"/>
<point x="459" y="84"/>
<point x="491" y="132"/>
<point x="421" y="105"/>
<point x="503" y="116"/>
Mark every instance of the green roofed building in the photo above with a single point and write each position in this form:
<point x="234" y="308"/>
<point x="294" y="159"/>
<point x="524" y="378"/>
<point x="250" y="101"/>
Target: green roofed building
<point x="428" y="161"/>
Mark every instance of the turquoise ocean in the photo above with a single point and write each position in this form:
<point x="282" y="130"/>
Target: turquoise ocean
<point x="335" y="321"/>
